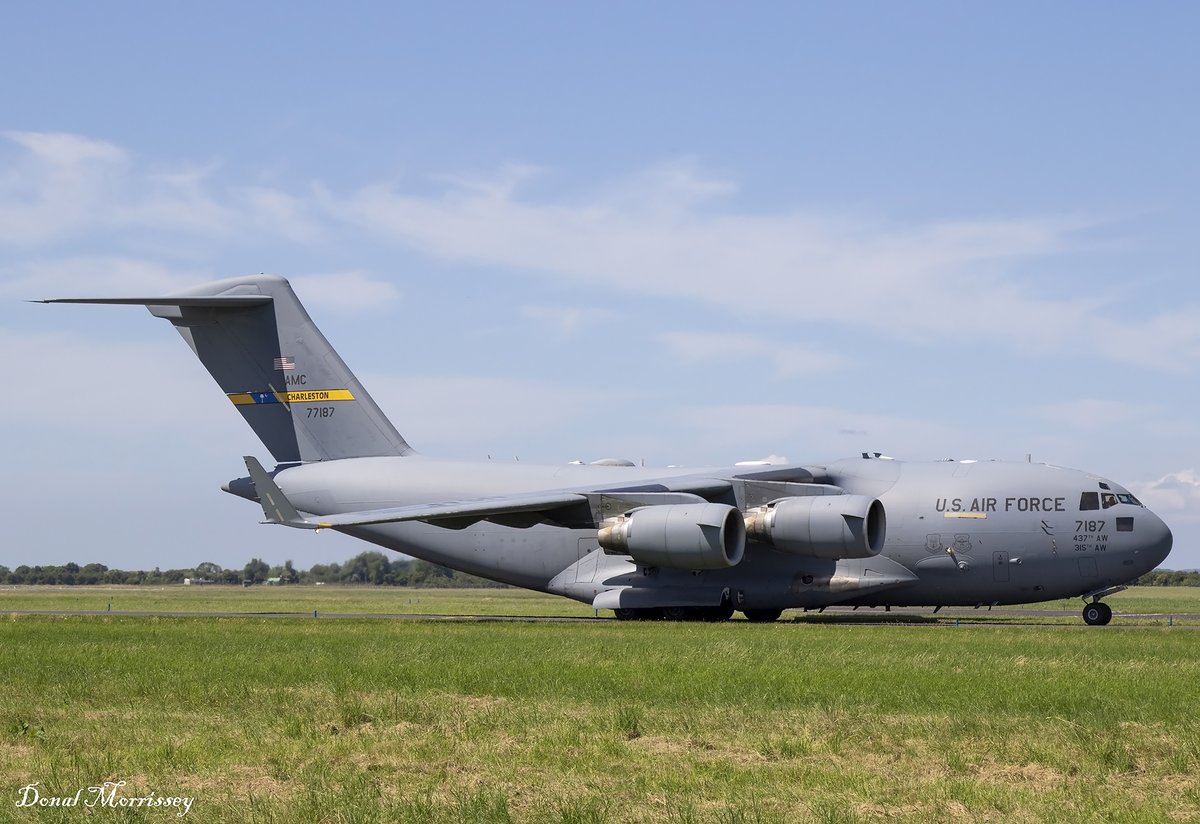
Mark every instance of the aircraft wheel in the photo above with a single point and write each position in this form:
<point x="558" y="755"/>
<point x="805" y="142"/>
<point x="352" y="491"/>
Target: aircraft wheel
<point x="762" y="616"/>
<point x="1097" y="614"/>
<point x="678" y="613"/>
<point x="716" y="614"/>
<point x="631" y="614"/>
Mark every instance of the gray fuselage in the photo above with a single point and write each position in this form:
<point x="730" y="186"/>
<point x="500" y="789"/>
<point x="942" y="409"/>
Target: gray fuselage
<point x="958" y="532"/>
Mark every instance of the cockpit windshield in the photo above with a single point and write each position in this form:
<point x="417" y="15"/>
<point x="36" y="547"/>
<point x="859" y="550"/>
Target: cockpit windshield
<point x="1096" y="500"/>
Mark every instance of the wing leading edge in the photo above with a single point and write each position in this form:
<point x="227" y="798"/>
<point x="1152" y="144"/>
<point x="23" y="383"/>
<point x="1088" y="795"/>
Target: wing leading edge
<point x="278" y="509"/>
<point x="572" y="507"/>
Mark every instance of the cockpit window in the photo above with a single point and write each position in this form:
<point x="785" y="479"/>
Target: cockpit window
<point x="1126" y="498"/>
<point x="1108" y="499"/>
<point x="1089" y="500"/>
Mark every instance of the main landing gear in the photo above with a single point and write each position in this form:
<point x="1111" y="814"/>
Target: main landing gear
<point x="711" y="614"/>
<point x="630" y="614"/>
<point x="762" y="616"/>
<point x="1097" y="614"/>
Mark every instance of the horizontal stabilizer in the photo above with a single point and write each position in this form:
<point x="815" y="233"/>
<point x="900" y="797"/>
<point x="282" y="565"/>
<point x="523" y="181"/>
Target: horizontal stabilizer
<point x="277" y="509"/>
<point x="209" y="301"/>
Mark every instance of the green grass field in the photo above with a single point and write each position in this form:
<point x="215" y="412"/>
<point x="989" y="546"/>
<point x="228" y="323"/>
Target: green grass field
<point x="366" y="720"/>
<point x="1142" y="601"/>
<point x="301" y="599"/>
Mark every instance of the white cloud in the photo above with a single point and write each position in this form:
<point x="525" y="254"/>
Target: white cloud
<point x="666" y="189"/>
<point x="1170" y="340"/>
<point x="1094" y="414"/>
<point x="790" y="264"/>
<point x="473" y="416"/>
<point x="672" y="230"/>
<point x="97" y="276"/>
<point x="130" y="387"/>
<point x="351" y="291"/>
<point x="820" y="432"/>
<point x="62" y="149"/>
<point x="64" y="186"/>
<point x="667" y="232"/>
<point x="503" y="183"/>
<point x="783" y="360"/>
<point x="1177" y="492"/>
<point x="567" y="319"/>
<point x="282" y="214"/>
<point x="181" y="201"/>
<point x="57" y="186"/>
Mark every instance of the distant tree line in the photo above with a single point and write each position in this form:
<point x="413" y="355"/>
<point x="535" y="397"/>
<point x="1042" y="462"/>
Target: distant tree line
<point x="372" y="568"/>
<point x="1169" y="578"/>
<point x="367" y="568"/>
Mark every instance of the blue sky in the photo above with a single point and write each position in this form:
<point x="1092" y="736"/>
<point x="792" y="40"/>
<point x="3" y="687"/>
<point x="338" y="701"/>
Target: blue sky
<point x="678" y="233"/>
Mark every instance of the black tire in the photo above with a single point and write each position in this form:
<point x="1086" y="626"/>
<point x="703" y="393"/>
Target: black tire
<point x="762" y="616"/>
<point x="1097" y="614"/>
<point x="679" y="613"/>
<point x="633" y="614"/>
<point x="716" y="614"/>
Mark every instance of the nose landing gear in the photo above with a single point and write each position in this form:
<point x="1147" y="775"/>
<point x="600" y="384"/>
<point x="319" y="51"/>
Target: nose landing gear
<point x="1097" y="614"/>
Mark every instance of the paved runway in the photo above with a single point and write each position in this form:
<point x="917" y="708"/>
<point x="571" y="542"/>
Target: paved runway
<point x="922" y="616"/>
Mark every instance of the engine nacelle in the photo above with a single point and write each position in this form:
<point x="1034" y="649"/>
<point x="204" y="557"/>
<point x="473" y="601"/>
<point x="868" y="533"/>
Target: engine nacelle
<point x="681" y="536"/>
<point x="821" y="526"/>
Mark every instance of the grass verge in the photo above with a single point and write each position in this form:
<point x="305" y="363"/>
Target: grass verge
<point x="364" y="721"/>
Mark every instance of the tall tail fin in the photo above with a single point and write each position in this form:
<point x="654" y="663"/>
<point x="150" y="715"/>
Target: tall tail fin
<point x="255" y="338"/>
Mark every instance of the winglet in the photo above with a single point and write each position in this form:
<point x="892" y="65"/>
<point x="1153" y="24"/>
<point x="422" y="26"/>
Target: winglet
<point x="276" y="507"/>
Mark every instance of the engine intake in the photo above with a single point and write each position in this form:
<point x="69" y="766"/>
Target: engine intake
<point x="821" y="526"/>
<point x="681" y="536"/>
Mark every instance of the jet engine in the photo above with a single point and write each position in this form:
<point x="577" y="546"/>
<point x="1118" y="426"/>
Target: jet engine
<point x="821" y="526"/>
<point x="682" y="536"/>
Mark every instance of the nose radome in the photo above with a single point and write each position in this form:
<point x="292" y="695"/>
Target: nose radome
<point x="1155" y="541"/>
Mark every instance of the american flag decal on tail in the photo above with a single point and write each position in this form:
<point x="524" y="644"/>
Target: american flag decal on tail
<point x="285" y="363"/>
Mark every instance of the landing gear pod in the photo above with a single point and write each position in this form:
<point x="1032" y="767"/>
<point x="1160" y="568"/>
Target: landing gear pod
<point x="681" y="536"/>
<point x="822" y="526"/>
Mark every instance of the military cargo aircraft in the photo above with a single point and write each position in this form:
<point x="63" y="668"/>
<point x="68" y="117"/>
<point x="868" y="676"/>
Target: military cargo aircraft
<point x="676" y="543"/>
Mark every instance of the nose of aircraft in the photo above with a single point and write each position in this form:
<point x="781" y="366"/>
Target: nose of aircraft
<point x="1154" y="541"/>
